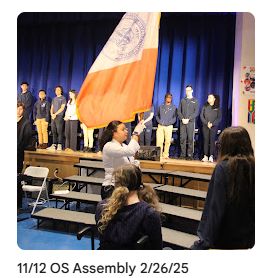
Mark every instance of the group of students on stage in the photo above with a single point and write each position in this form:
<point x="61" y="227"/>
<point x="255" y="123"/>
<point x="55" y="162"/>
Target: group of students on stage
<point x="129" y="209"/>
<point x="166" y="117"/>
<point x="211" y="115"/>
<point x="44" y="112"/>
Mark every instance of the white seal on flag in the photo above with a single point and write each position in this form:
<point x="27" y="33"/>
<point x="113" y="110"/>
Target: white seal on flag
<point x="127" y="39"/>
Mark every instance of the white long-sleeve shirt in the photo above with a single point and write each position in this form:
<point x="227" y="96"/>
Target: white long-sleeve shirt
<point x="114" y="154"/>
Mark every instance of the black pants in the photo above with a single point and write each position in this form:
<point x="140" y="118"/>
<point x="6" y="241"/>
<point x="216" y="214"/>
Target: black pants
<point x="71" y="129"/>
<point x="209" y="135"/>
<point x="187" y="135"/>
<point x="57" y="126"/>
<point x="145" y="136"/>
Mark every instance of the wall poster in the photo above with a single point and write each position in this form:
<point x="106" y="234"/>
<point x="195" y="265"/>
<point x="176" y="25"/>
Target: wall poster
<point x="248" y="80"/>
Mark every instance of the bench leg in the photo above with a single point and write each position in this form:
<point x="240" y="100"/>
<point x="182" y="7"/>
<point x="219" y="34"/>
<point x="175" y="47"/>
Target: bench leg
<point x="92" y="240"/>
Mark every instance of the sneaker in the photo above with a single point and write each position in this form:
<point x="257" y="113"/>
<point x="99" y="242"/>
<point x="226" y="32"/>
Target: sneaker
<point x="89" y="150"/>
<point x="44" y="146"/>
<point x="182" y="157"/>
<point x="40" y="146"/>
<point x="59" y="148"/>
<point x="85" y="149"/>
<point x="189" y="158"/>
<point x="205" y="159"/>
<point x="52" y="147"/>
<point x="211" y="158"/>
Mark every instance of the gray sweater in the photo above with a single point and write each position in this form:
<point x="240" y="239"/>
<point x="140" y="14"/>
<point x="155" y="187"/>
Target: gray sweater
<point x="188" y="109"/>
<point x="212" y="115"/>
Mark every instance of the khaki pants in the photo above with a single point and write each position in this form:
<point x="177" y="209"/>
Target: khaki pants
<point x="164" y="132"/>
<point x="42" y="131"/>
<point x="87" y="136"/>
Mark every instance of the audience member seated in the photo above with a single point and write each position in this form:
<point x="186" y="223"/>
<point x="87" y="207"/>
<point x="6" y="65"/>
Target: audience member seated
<point x="125" y="217"/>
<point x="228" y="219"/>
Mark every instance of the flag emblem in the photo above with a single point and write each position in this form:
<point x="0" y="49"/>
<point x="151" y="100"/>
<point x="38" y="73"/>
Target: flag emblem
<point x="127" y="40"/>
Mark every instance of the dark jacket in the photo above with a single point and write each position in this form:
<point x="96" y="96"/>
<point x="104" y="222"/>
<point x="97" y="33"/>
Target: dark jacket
<point x="41" y="110"/>
<point x="24" y="134"/>
<point x="223" y="224"/>
<point x="210" y="114"/>
<point x="188" y="109"/>
<point x="128" y="225"/>
<point x="166" y="114"/>
<point x="26" y="98"/>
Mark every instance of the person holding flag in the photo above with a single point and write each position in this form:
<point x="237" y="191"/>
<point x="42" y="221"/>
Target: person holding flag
<point x="116" y="153"/>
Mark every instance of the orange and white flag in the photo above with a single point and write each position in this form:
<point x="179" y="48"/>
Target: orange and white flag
<point x="120" y="82"/>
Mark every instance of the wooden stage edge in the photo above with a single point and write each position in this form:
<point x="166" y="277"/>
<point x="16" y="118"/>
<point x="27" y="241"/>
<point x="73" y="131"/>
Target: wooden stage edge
<point x="65" y="161"/>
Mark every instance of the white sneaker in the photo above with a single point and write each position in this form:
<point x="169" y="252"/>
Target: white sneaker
<point x="211" y="158"/>
<point x="59" y="148"/>
<point x="205" y="159"/>
<point x="52" y="147"/>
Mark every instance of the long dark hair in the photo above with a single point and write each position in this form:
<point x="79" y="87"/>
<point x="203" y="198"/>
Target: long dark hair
<point x="107" y="134"/>
<point x="235" y="145"/>
<point x="75" y="94"/>
<point x="216" y="102"/>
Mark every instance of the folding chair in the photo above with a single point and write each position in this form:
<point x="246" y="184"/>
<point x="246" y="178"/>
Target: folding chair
<point x="36" y="172"/>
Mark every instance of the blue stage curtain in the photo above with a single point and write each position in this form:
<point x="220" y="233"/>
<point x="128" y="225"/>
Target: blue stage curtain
<point x="194" y="48"/>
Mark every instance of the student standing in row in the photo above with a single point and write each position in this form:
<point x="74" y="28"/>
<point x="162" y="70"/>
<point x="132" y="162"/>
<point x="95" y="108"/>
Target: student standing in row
<point x="210" y="116"/>
<point x="187" y="113"/>
<point x="71" y="122"/>
<point x="25" y="97"/>
<point x="145" y="137"/>
<point x="166" y="118"/>
<point x="88" y="138"/>
<point x="57" y="122"/>
<point x="41" y="119"/>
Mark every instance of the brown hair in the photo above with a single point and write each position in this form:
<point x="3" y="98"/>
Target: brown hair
<point x="19" y="103"/>
<point x="130" y="178"/>
<point x="73" y="92"/>
<point x="235" y="146"/>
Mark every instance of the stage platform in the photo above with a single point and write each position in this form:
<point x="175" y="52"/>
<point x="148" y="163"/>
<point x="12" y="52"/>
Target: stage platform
<point x="65" y="162"/>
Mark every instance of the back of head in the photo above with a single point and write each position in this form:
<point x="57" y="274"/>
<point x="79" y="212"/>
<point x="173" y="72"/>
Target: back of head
<point x="148" y="195"/>
<point x="19" y="103"/>
<point x="235" y="146"/>
<point x="235" y="141"/>
<point x="107" y="134"/>
<point x="128" y="175"/>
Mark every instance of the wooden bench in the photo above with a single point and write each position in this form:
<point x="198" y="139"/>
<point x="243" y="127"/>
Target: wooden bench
<point x="178" y="238"/>
<point x="170" y="236"/>
<point x="72" y="196"/>
<point x="83" y="180"/>
<point x="189" y="176"/>
<point x="81" y="197"/>
<point x="90" y="165"/>
<point x="180" y="219"/>
<point x="181" y="192"/>
<point x="68" y="216"/>
<point x="156" y="172"/>
<point x="98" y="165"/>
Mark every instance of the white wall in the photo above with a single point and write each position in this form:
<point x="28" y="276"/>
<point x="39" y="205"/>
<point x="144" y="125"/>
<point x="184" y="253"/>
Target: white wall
<point x="244" y="56"/>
